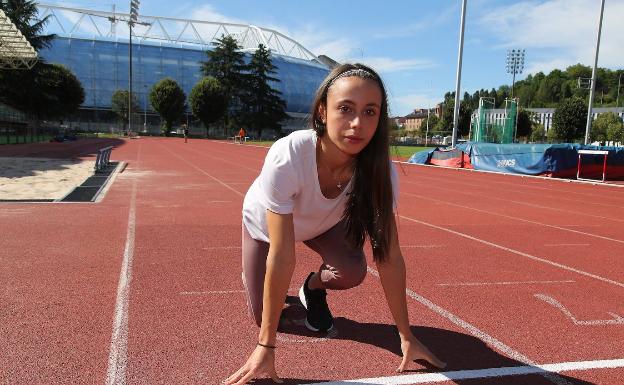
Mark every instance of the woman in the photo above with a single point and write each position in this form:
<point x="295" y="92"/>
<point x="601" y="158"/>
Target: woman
<point x="330" y="187"/>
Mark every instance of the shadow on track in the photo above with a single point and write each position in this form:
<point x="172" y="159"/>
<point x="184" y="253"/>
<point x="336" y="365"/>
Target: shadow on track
<point x="62" y="155"/>
<point x="460" y="351"/>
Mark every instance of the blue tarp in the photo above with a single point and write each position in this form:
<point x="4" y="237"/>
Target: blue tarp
<point x="535" y="159"/>
<point x="422" y="157"/>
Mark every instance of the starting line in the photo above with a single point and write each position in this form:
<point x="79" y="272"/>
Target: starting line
<point x="428" y="378"/>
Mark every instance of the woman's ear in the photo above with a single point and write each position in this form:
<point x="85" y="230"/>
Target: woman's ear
<point x="322" y="113"/>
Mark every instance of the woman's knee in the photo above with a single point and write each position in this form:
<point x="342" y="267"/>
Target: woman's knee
<point x="352" y="276"/>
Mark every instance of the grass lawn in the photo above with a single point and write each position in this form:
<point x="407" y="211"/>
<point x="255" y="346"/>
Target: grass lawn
<point x="267" y="143"/>
<point x="405" y="151"/>
<point x="402" y="151"/>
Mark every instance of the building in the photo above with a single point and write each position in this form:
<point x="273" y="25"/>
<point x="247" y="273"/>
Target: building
<point x="413" y="122"/>
<point x="94" y="46"/>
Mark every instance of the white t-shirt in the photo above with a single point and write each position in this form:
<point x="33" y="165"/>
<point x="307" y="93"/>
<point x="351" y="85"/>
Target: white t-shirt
<point x="288" y="184"/>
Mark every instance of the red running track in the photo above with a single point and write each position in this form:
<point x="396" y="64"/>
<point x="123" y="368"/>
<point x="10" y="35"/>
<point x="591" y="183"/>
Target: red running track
<point x="144" y="287"/>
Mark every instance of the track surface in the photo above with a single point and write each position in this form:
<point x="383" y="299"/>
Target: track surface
<point x="144" y="287"/>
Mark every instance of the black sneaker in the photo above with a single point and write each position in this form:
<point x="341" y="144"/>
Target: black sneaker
<point x="318" y="316"/>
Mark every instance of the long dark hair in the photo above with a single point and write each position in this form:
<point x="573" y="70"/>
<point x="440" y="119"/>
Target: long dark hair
<point x="369" y="206"/>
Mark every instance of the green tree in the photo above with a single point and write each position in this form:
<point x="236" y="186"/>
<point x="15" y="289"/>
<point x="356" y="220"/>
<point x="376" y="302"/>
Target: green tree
<point x="226" y="63"/>
<point x="119" y="105"/>
<point x="208" y="100"/>
<point x="47" y="91"/>
<point x="60" y="90"/>
<point x="433" y="122"/>
<point x="264" y="106"/>
<point x="607" y="126"/>
<point x="616" y="133"/>
<point x="445" y="124"/>
<point x="23" y="13"/>
<point x="569" y="119"/>
<point x="537" y="134"/>
<point x="524" y="123"/>
<point x="168" y="99"/>
<point x="21" y="88"/>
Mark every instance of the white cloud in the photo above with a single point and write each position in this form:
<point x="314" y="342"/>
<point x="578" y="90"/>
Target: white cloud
<point x="316" y="39"/>
<point x="312" y="37"/>
<point x="559" y="33"/>
<point x="546" y="66"/>
<point x="208" y="13"/>
<point x="387" y="64"/>
<point x="402" y="105"/>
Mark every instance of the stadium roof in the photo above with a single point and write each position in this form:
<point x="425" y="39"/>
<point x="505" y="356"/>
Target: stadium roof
<point x="15" y="51"/>
<point x="84" y="23"/>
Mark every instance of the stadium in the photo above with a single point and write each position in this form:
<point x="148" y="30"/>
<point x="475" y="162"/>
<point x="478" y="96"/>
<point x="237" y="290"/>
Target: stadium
<point x="94" y="45"/>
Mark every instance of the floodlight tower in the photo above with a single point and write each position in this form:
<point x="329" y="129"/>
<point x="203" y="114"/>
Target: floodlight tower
<point x="134" y="15"/>
<point x="515" y="65"/>
<point x="593" y="79"/>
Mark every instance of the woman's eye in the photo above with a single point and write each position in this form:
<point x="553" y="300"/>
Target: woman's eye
<point x="370" y="112"/>
<point x="344" y="109"/>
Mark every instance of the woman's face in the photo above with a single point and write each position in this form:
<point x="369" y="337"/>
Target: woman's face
<point x="353" y="108"/>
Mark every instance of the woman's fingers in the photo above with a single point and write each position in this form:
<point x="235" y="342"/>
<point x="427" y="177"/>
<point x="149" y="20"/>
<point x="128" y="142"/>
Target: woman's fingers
<point x="235" y="377"/>
<point x="404" y="363"/>
<point x="417" y="351"/>
<point x="246" y="378"/>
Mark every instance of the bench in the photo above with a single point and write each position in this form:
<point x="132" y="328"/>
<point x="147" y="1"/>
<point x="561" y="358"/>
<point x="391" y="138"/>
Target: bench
<point x="103" y="158"/>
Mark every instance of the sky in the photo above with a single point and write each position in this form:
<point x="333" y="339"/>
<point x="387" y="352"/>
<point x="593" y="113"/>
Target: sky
<point x="414" y="43"/>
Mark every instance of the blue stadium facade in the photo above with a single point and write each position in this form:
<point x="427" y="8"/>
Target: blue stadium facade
<point x="101" y="64"/>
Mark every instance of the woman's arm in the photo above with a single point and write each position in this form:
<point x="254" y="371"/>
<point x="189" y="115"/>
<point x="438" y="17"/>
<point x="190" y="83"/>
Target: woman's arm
<point x="280" y="266"/>
<point x="392" y="275"/>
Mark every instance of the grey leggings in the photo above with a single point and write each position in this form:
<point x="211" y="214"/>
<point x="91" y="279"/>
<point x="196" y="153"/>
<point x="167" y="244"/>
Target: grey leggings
<point x="343" y="266"/>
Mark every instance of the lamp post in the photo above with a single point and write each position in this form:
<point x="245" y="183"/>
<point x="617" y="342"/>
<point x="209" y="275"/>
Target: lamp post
<point x="134" y="14"/>
<point x="617" y="100"/>
<point x="515" y="65"/>
<point x="593" y="79"/>
<point x="145" y="110"/>
<point x="458" y="77"/>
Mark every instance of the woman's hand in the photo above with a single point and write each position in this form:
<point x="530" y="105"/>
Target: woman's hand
<point x="413" y="350"/>
<point x="260" y="363"/>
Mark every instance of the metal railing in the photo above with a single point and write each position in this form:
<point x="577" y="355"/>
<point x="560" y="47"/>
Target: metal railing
<point x="103" y="158"/>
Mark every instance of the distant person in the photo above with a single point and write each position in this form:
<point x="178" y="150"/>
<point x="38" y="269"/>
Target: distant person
<point x="186" y="132"/>
<point x="241" y="134"/>
<point x="331" y="187"/>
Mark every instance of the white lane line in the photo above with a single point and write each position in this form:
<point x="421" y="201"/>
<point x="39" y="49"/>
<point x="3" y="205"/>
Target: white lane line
<point x="616" y="320"/>
<point x="117" y="357"/>
<point x="559" y="265"/>
<point x="545" y="178"/>
<point x="204" y="172"/>
<point x="208" y="292"/>
<point x="515" y="218"/>
<point x="211" y="292"/>
<point x="429" y="378"/>
<point x="473" y="330"/>
<point x="502" y="283"/>
<point x="515" y="190"/>
<point x="507" y="200"/>
<point x="256" y="170"/>
<point x="565" y="244"/>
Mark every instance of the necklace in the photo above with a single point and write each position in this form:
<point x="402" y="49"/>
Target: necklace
<point x="338" y="182"/>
